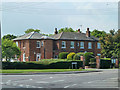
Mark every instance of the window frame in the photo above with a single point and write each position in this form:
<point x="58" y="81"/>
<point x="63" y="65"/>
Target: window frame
<point x="64" y="44"/>
<point x="42" y="43"/>
<point x="98" y="45"/>
<point x="39" y="44"/>
<point x="72" y="42"/>
<point x="89" y="45"/>
<point x="82" y="44"/>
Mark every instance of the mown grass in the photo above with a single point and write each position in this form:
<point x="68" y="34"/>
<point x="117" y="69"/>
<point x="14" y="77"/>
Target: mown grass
<point x="41" y="70"/>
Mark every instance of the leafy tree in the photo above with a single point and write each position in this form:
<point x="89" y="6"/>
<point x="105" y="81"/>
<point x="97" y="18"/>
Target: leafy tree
<point x="31" y="30"/>
<point x="110" y="44"/>
<point x="66" y="29"/>
<point x="98" y="33"/>
<point x="9" y="49"/>
<point x="10" y="37"/>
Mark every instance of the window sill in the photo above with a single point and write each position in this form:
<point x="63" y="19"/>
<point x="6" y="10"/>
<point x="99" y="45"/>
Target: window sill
<point x="37" y="47"/>
<point x="63" y="47"/>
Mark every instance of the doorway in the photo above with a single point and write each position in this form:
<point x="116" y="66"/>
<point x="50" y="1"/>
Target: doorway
<point x="38" y="57"/>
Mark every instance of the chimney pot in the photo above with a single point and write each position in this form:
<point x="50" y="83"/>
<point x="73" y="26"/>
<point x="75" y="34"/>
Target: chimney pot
<point x="88" y="32"/>
<point x="56" y="32"/>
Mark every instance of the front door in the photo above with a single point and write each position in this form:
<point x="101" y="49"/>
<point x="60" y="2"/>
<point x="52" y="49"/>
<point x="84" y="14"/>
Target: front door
<point x="23" y="57"/>
<point x="38" y="57"/>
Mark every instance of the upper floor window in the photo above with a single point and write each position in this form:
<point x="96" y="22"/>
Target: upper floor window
<point x="42" y="43"/>
<point x="17" y="44"/>
<point x="38" y="44"/>
<point x="89" y="45"/>
<point x="78" y="44"/>
<point x="98" y="46"/>
<point x="72" y="45"/>
<point x="81" y="45"/>
<point x="63" y="44"/>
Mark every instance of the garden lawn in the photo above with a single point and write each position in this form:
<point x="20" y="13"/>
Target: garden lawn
<point x="41" y="70"/>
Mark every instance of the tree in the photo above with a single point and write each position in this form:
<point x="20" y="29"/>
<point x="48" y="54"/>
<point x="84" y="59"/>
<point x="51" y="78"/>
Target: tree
<point x="66" y="29"/>
<point x="10" y="37"/>
<point x="110" y="44"/>
<point x="9" y="49"/>
<point x="98" y="34"/>
<point x="31" y="30"/>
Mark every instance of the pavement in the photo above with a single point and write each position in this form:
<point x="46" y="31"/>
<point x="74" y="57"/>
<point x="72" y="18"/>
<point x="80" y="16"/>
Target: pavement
<point x="107" y="78"/>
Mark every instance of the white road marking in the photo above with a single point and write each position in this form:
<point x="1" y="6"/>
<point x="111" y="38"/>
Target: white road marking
<point x="30" y="79"/>
<point x="21" y="85"/>
<point x="51" y="77"/>
<point x="39" y="87"/>
<point x="70" y="85"/>
<point x="59" y="81"/>
<point x="42" y="82"/>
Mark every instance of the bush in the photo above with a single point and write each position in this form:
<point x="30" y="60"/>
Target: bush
<point x="70" y="56"/>
<point x="77" y="56"/>
<point x="88" y="56"/>
<point x="105" y="63"/>
<point x="92" y="63"/>
<point x="41" y="65"/>
<point x="63" y="55"/>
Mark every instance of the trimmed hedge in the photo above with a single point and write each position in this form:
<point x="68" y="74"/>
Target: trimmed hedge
<point x="41" y="65"/>
<point x="63" y="55"/>
<point x="77" y="56"/>
<point x="70" y="56"/>
<point x="105" y="63"/>
<point x="88" y="56"/>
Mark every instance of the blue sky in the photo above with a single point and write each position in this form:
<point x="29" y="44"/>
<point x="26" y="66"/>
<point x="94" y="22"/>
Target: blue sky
<point x="20" y="16"/>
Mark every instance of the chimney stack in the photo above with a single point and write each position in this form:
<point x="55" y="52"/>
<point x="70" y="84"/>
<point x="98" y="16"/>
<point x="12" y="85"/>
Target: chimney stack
<point x="78" y="30"/>
<point x="88" y="32"/>
<point x="56" y="32"/>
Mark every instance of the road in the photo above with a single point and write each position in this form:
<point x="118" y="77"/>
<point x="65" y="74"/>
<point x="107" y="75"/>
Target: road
<point x="105" y="79"/>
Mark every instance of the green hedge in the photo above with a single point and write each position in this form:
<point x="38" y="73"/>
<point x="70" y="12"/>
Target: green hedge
<point x="77" y="56"/>
<point x="88" y="56"/>
<point x="40" y="65"/>
<point x="70" y="56"/>
<point x="105" y="63"/>
<point x="63" y="55"/>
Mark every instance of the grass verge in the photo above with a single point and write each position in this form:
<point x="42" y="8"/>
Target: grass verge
<point x="41" y="70"/>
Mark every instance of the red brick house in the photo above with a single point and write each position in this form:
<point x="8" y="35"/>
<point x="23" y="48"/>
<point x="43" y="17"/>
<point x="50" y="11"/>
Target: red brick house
<point x="35" y="46"/>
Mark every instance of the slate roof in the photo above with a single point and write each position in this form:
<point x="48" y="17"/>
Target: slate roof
<point x="32" y="35"/>
<point x="74" y="36"/>
<point x="60" y="36"/>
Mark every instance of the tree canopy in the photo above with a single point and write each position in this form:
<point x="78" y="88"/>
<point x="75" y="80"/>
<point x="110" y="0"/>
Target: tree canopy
<point x="9" y="36"/>
<point x="66" y="29"/>
<point x="31" y="30"/>
<point x="98" y="34"/>
<point x="111" y="44"/>
<point x="9" y="49"/>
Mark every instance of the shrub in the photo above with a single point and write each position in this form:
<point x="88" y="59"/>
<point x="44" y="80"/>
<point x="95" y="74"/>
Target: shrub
<point x="70" y="56"/>
<point x="88" y="56"/>
<point x="105" y="63"/>
<point x="77" y="56"/>
<point x="63" y="55"/>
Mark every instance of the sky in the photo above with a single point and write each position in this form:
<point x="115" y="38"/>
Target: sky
<point x="20" y="16"/>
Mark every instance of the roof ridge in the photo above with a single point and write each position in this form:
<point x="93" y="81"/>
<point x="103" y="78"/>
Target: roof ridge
<point x="61" y="35"/>
<point x="31" y="35"/>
